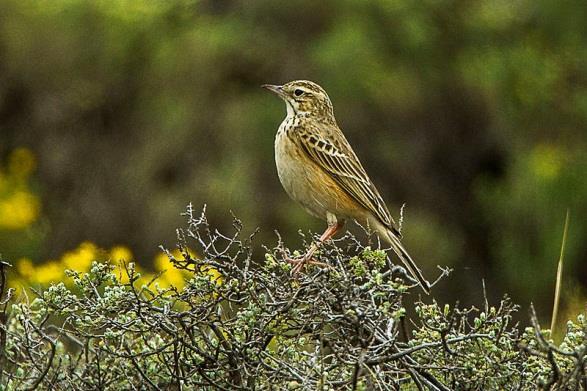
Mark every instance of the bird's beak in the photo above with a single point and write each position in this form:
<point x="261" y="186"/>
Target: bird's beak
<point x="277" y="90"/>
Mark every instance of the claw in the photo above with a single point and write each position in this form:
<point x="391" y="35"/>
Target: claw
<point x="302" y="261"/>
<point x="307" y="259"/>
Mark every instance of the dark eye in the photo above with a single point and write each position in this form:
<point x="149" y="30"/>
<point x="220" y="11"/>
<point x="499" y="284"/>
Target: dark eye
<point x="298" y="92"/>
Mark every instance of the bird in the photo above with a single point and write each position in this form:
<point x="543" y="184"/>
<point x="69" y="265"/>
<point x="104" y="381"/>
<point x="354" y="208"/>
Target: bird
<point x="318" y="169"/>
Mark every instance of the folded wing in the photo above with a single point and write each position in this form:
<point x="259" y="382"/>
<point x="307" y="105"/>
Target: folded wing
<point x="343" y="165"/>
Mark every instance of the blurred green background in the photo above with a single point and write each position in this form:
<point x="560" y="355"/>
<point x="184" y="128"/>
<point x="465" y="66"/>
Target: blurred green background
<point x="114" y="115"/>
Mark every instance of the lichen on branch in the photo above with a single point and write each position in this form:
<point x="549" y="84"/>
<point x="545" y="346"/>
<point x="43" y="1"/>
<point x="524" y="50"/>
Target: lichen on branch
<point x="241" y="321"/>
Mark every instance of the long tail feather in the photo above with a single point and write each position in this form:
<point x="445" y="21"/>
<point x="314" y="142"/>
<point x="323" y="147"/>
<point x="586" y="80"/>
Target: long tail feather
<point x="408" y="262"/>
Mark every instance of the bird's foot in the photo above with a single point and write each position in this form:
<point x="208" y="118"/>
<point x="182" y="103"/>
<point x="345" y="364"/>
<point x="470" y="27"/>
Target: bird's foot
<point x="303" y="261"/>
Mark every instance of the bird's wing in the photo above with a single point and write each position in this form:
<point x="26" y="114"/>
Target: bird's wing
<point x="339" y="160"/>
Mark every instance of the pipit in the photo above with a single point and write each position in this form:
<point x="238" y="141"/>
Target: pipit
<point x="318" y="168"/>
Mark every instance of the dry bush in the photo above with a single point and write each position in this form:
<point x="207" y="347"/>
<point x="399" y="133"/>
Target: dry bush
<point x="250" y="325"/>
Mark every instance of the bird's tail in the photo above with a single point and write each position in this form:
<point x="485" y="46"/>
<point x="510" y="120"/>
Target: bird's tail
<point x="408" y="262"/>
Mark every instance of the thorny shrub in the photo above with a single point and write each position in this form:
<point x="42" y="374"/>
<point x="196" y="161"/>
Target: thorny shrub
<point x="252" y="326"/>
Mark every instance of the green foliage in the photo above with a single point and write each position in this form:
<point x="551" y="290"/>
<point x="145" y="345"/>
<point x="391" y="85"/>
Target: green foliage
<point x="253" y="326"/>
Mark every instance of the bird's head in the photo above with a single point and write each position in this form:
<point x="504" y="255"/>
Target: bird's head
<point x="303" y="97"/>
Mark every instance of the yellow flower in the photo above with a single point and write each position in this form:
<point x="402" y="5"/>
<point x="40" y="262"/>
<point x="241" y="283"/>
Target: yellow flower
<point x="162" y="262"/>
<point x="144" y="280"/>
<point x="19" y="210"/>
<point x="48" y="272"/>
<point x="25" y="267"/>
<point x="120" y="253"/>
<point x="19" y="207"/>
<point x="213" y="273"/>
<point x="176" y="277"/>
<point x="171" y="275"/>
<point x="122" y="274"/>
<point x="81" y="258"/>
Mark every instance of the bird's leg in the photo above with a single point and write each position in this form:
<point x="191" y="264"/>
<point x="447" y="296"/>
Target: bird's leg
<point x="329" y="233"/>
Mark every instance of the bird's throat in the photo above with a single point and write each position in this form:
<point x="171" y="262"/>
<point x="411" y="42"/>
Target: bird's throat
<point x="290" y="109"/>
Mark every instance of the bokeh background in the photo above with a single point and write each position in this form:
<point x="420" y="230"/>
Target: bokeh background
<point x="114" y="115"/>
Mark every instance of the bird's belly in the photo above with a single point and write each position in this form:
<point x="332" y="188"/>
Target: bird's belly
<point x="308" y="184"/>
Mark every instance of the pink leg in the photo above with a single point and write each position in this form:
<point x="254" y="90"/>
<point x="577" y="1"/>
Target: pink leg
<point x="329" y="233"/>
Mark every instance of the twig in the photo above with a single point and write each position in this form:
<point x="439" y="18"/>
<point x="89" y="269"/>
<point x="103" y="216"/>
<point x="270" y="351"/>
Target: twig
<point x="3" y="316"/>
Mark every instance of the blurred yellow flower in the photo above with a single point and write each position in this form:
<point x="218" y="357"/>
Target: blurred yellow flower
<point x="122" y="273"/>
<point x="145" y="279"/>
<point x="19" y="210"/>
<point x="213" y="273"/>
<point x="25" y="267"/>
<point x="176" y="277"/>
<point x="120" y="253"/>
<point x="19" y="207"/>
<point x="171" y="275"/>
<point x="81" y="258"/>
<point x="47" y="272"/>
